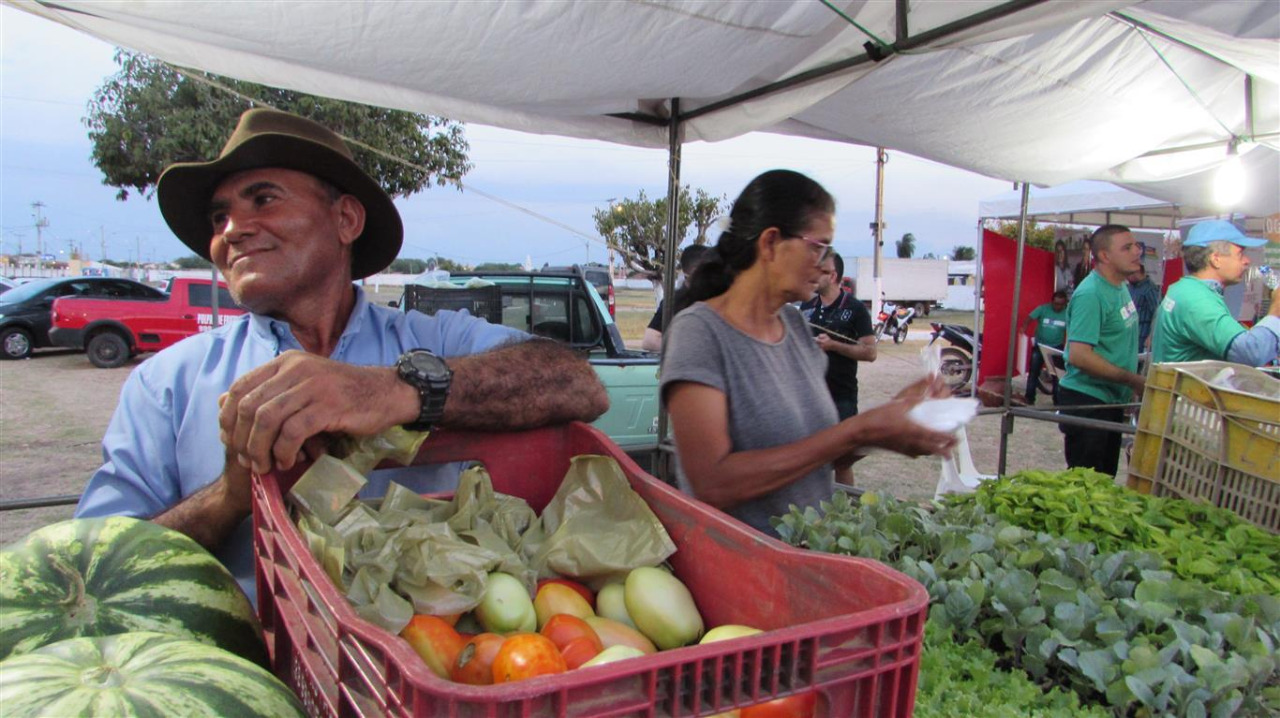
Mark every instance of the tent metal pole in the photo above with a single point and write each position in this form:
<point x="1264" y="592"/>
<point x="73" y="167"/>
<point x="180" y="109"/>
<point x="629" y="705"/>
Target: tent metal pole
<point x="977" y="313"/>
<point x="669" y="250"/>
<point x="900" y="20"/>
<point x="877" y="227"/>
<point x="1006" y="421"/>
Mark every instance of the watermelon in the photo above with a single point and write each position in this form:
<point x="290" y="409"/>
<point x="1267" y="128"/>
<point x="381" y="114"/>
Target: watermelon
<point x="102" y="576"/>
<point x="140" y="674"/>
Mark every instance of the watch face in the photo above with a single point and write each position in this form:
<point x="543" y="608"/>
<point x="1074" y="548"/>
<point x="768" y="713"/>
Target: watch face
<point x="429" y="365"/>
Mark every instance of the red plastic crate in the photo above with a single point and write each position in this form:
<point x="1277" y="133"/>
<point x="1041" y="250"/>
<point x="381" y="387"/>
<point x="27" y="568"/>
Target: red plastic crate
<point x="849" y="628"/>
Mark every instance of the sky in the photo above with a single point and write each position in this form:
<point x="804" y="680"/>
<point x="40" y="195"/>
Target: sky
<point x="49" y="72"/>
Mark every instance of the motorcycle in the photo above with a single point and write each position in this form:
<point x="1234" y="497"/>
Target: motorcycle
<point x="957" y="360"/>
<point x="893" y="321"/>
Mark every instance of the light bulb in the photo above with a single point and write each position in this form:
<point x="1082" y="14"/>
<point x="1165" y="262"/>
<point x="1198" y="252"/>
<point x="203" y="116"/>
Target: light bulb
<point x="1228" y="183"/>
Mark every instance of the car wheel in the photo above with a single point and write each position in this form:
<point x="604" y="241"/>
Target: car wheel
<point x="108" y="350"/>
<point x="15" y="343"/>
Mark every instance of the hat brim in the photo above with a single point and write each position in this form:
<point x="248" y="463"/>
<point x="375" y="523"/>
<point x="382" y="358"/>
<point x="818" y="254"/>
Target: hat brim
<point x="184" y="190"/>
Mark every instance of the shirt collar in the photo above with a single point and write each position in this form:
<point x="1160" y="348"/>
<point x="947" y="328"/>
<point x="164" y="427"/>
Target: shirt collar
<point x="1213" y="284"/>
<point x="279" y="334"/>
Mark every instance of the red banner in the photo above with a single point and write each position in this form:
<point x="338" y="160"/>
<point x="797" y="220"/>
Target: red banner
<point x="999" y="256"/>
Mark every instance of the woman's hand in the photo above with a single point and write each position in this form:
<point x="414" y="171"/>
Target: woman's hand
<point x="889" y="427"/>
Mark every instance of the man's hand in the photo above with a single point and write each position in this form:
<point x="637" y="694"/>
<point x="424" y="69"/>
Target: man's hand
<point x="1274" y="309"/>
<point x="268" y="414"/>
<point x="825" y="342"/>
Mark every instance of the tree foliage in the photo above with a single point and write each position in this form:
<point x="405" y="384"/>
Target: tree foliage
<point x="148" y="116"/>
<point x="636" y="228"/>
<point x="192" y="261"/>
<point x="906" y="246"/>
<point x="499" y="267"/>
<point x="1037" y="236"/>
<point x="962" y="253"/>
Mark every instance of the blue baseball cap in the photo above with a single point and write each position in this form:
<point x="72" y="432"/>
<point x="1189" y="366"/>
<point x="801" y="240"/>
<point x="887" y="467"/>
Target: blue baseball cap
<point x="1219" y="230"/>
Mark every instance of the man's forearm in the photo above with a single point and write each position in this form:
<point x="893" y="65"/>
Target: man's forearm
<point x="862" y="351"/>
<point x="208" y="516"/>
<point x="1257" y="346"/>
<point x="521" y="386"/>
<point x="1088" y="361"/>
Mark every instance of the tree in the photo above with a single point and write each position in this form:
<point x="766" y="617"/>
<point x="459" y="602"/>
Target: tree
<point x="929" y="255"/>
<point x="906" y="246"/>
<point x="499" y="267"/>
<point x="192" y="262"/>
<point x="148" y="116"/>
<point x="636" y="228"/>
<point x="962" y="253"/>
<point x="1037" y="236"/>
<point x="407" y="266"/>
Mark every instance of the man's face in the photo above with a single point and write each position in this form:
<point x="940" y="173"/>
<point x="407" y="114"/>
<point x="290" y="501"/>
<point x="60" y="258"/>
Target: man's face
<point x="1059" y="303"/>
<point x="277" y="233"/>
<point x="1231" y="265"/>
<point x="828" y="275"/>
<point x="1124" y="254"/>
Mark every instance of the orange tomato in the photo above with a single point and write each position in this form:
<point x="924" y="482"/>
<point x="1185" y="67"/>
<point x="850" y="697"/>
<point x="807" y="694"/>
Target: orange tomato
<point x="556" y="598"/>
<point x="563" y="628"/>
<point x="525" y="655"/>
<point x="435" y="641"/>
<point x="801" y="706"/>
<point x="475" y="662"/>
<point x="579" y="651"/>
<point x="582" y="590"/>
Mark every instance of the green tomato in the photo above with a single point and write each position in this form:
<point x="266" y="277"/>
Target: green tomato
<point x="506" y="606"/>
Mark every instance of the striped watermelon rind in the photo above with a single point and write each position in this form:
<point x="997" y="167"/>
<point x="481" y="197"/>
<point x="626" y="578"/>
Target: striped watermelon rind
<point x="140" y="674"/>
<point x="103" y="576"/>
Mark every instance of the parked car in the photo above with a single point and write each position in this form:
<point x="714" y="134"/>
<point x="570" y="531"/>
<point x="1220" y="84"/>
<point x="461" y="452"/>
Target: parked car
<point x="600" y="278"/>
<point x="26" y="310"/>
<point x="6" y="284"/>
<point x="564" y="306"/>
<point x="111" y="330"/>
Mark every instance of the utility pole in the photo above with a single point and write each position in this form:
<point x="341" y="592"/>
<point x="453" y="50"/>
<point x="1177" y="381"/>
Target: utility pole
<point x="102" y="241"/>
<point x="877" y="229"/>
<point x="41" y="223"/>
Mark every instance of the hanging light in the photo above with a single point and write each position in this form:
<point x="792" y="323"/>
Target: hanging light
<point x="1229" y="181"/>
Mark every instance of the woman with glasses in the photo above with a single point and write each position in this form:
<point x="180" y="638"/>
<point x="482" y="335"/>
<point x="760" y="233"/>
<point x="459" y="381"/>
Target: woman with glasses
<point x="742" y="378"/>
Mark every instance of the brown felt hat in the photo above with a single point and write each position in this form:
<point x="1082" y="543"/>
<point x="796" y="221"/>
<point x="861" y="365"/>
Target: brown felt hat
<point x="270" y="138"/>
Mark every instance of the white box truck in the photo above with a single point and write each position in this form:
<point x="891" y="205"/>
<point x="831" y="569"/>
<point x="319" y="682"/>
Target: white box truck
<point x="921" y="283"/>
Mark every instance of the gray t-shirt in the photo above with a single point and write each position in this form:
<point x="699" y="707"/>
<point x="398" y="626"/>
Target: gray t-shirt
<point x="777" y="394"/>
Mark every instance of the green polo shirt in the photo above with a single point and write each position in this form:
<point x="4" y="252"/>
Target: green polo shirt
<point x="1102" y="314"/>
<point x="1193" y="323"/>
<point x="1051" y="326"/>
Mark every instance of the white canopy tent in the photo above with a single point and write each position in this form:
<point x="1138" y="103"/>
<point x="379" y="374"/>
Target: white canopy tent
<point x="1148" y="94"/>
<point x="1091" y="203"/>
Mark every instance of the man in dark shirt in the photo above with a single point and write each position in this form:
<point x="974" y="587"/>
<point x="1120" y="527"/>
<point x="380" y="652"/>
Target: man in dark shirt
<point x="689" y="260"/>
<point x="842" y="328"/>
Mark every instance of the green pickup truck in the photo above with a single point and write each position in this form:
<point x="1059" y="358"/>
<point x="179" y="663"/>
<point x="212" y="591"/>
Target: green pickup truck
<point x="565" y="307"/>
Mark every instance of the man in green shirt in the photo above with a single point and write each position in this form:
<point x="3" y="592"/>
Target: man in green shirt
<point x="1193" y="322"/>
<point x="1102" y="350"/>
<point x="1050" y="322"/>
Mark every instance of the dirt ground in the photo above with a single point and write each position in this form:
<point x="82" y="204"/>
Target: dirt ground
<point x="55" y="406"/>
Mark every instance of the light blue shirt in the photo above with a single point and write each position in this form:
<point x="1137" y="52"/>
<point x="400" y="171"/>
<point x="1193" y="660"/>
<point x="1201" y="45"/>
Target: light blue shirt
<point x="163" y="444"/>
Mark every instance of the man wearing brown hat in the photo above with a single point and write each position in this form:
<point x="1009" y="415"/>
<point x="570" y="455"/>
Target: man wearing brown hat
<point x="290" y="220"/>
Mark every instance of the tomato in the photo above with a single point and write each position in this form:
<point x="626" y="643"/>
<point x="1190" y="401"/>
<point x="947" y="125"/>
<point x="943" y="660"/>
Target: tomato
<point x="435" y="641"/>
<point x="556" y="598"/>
<point x="525" y="655"/>
<point x="475" y="662"/>
<point x="579" y="651"/>
<point x="563" y="628"/>
<point x="801" y="706"/>
<point x="582" y="590"/>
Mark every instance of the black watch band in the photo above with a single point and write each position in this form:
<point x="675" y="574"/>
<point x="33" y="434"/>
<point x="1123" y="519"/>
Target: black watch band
<point x="431" y="376"/>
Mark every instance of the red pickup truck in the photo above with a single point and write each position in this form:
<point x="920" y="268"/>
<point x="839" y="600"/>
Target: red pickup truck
<point x="112" y="330"/>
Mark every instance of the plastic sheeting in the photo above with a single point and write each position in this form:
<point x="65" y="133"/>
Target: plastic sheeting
<point x="1043" y="92"/>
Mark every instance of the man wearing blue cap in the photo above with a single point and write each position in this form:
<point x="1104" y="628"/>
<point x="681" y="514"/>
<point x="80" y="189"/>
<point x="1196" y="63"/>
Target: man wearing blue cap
<point x="1193" y="322"/>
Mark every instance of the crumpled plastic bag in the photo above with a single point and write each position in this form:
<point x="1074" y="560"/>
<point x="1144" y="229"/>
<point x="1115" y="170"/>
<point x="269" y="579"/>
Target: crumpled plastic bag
<point x="365" y="452"/>
<point x="412" y="554"/>
<point x="596" y="526"/>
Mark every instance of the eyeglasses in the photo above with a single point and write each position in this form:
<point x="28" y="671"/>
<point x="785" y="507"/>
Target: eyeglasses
<point x="821" y="249"/>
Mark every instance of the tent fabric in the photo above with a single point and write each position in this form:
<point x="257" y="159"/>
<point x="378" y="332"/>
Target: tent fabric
<point x="1046" y="92"/>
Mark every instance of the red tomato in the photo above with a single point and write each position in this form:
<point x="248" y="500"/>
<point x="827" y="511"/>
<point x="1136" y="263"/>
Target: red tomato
<point x="801" y="706"/>
<point x="435" y="641"/>
<point x="582" y="590"/>
<point x="563" y="628"/>
<point x="475" y="661"/>
<point x="579" y="651"/>
<point x="525" y="655"/>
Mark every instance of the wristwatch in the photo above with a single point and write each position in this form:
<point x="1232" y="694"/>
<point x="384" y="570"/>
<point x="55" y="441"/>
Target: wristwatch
<point x="431" y="376"/>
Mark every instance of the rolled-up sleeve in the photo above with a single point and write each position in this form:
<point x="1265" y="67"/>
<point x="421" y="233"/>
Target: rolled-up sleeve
<point x="1259" y="346"/>
<point x="138" y="450"/>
